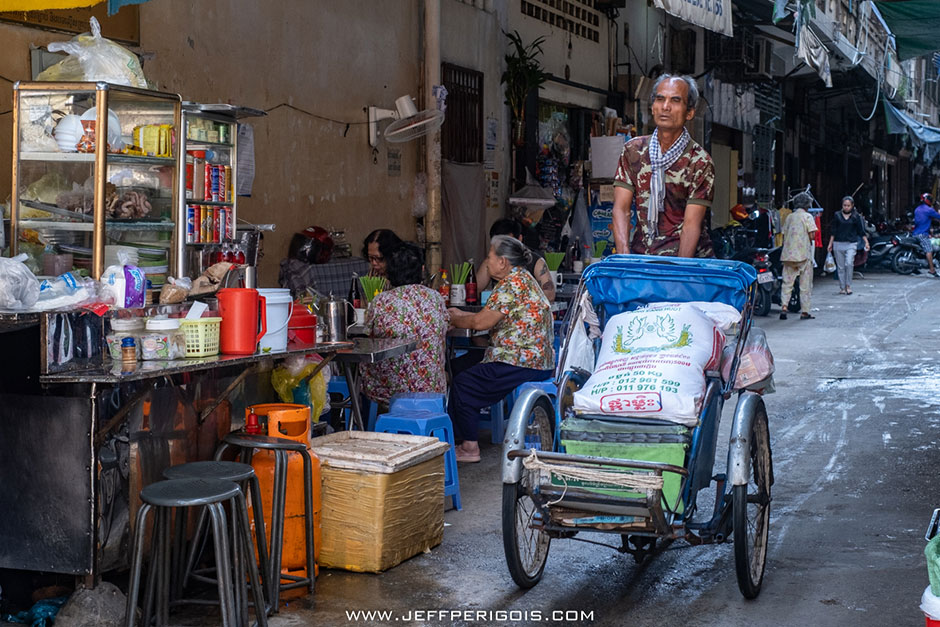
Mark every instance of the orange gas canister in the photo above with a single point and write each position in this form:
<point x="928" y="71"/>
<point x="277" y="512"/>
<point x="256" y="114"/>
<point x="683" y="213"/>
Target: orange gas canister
<point x="291" y="422"/>
<point x="239" y="308"/>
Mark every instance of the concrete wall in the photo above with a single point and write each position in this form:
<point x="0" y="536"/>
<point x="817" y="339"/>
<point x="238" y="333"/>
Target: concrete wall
<point x="316" y="65"/>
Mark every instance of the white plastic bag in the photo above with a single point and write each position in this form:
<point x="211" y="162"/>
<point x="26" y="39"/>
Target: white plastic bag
<point x="580" y="353"/>
<point x="930" y="604"/>
<point x="66" y="291"/>
<point x="125" y="283"/>
<point x="830" y="265"/>
<point x="653" y="360"/>
<point x="19" y="288"/>
<point x="94" y="58"/>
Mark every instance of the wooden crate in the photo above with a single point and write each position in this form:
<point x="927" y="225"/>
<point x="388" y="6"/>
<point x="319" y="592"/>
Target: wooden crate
<point x="383" y="498"/>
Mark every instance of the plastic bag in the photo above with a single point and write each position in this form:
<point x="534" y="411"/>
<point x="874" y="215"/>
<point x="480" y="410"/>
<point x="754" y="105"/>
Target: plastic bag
<point x="175" y="290"/>
<point x="756" y="364"/>
<point x="932" y="552"/>
<point x="94" y="58"/>
<point x="286" y="378"/>
<point x="66" y="291"/>
<point x="930" y="604"/>
<point x="830" y="264"/>
<point x="125" y="283"/>
<point x="41" y="614"/>
<point x="19" y="288"/>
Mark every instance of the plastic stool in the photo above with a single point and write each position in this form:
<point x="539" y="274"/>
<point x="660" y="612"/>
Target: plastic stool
<point x="281" y="447"/>
<point x="338" y="385"/>
<point x="496" y="421"/>
<point x="244" y="476"/>
<point x="430" y="424"/>
<point x="417" y="401"/>
<point x="161" y="498"/>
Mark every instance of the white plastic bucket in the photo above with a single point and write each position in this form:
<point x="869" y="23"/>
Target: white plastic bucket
<point x="279" y="306"/>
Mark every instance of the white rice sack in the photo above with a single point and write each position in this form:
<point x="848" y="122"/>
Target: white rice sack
<point x="653" y="360"/>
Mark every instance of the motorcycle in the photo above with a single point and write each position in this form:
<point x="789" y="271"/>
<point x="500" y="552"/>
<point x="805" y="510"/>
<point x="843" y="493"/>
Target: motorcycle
<point x="769" y="279"/>
<point x="881" y="249"/>
<point x="908" y="256"/>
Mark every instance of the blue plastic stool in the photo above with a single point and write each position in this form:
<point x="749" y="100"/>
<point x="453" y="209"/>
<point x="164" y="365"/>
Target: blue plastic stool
<point x="417" y="401"/>
<point x="337" y="385"/>
<point x="496" y="421"/>
<point x="431" y="424"/>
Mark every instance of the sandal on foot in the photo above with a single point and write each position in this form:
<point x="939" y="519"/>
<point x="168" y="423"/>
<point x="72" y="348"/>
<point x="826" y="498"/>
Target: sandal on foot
<point x="806" y="316"/>
<point x="848" y="292"/>
<point x="467" y="457"/>
<point x="783" y="315"/>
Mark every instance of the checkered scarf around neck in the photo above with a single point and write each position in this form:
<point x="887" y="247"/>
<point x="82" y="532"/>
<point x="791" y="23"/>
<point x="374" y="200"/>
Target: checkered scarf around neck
<point x="661" y="162"/>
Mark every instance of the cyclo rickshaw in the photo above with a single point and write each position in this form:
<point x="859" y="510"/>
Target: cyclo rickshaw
<point x="550" y="494"/>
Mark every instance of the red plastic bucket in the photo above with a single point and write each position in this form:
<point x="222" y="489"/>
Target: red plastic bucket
<point x="302" y="326"/>
<point x="239" y="307"/>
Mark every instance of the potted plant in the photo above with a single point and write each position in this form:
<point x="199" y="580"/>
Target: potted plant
<point x="523" y="74"/>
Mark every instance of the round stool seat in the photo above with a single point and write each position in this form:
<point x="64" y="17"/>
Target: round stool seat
<point x="264" y="442"/>
<point x="229" y="471"/>
<point x="189" y="492"/>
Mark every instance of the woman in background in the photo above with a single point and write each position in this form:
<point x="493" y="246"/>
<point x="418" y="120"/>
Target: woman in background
<point x="376" y="249"/>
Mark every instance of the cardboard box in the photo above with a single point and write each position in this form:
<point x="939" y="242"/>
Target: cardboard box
<point x="383" y="498"/>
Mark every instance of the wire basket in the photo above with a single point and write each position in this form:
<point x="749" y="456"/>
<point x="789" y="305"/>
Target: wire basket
<point x="202" y="336"/>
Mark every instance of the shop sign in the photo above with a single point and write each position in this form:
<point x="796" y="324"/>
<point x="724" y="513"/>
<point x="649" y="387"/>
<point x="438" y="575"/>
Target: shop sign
<point x="715" y="15"/>
<point x="123" y="26"/>
<point x="394" y="162"/>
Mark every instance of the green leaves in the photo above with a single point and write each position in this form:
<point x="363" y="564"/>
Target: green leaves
<point x="523" y="72"/>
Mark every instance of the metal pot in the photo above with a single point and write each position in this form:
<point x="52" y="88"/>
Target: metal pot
<point x="335" y="316"/>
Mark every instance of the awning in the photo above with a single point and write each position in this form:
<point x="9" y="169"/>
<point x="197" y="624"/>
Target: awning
<point x="914" y="25"/>
<point x="46" y="5"/>
<point x="715" y="15"/>
<point x="923" y="136"/>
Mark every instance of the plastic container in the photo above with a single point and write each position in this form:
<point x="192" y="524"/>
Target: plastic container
<point x="278" y="309"/>
<point x="120" y="329"/>
<point x="291" y="422"/>
<point x="302" y="325"/>
<point x="239" y="307"/>
<point x="163" y="339"/>
<point x="202" y="336"/>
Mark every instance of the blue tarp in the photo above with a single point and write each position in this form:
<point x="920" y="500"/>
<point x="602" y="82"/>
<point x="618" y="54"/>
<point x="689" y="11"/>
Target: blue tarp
<point x="624" y="282"/>
<point x="925" y="137"/>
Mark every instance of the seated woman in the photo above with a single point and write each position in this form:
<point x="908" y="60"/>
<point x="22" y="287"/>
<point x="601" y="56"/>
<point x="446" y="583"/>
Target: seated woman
<point x="376" y="249"/>
<point x="519" y="319"/>
<point x="409" y="310"/>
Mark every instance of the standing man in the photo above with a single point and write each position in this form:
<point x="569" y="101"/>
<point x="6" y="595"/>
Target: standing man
<point x="799" y="243"/>
<point x="923" y="215"/>
<point x="669" y="176"/>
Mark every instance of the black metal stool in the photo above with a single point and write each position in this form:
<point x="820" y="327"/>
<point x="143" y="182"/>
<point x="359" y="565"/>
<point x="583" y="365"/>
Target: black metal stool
<point x="244" y="476"/>
<point x="162" y="497"/>
<point x="281" y="447"/>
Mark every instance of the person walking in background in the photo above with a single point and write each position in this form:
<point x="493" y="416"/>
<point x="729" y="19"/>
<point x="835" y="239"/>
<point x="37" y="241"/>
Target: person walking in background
<point x="924" y="214"/>
<point x="846" y="227"/>
<point x="797" y="255"/>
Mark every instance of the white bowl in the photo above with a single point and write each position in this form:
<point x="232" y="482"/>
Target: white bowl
<point x="114" y="127"/>
<point x="68" y="132"/>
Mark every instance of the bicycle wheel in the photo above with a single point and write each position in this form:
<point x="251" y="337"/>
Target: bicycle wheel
<point x="525" y="545"/>
<point x="751" y="512"/>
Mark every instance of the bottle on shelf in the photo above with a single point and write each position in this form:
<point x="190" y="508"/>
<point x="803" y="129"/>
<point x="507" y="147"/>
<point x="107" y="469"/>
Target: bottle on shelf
<point x="445" y="287"/>
<point x="355" y="295"/>
<point x="471" y="288"/>
<point x="577" y="265"/>
<point x="240" y="257"/>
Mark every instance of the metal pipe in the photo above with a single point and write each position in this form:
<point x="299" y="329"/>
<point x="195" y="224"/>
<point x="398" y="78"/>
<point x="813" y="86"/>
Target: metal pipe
<point x="432" y="151"/>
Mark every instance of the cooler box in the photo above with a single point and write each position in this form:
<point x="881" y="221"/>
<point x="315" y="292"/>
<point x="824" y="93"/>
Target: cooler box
<point x="667" y="443"/>
<point x="383" y="498"/>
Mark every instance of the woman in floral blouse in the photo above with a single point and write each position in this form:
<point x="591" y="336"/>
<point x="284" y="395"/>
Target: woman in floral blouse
<point x="519" y="319"/>
<point x="409" y="310"/>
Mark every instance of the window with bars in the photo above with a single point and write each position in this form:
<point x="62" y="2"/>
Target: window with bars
<point x="462" y="133"/>
<point x="578" y="17"/>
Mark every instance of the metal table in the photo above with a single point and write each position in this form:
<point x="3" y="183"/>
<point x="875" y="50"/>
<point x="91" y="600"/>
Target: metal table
<point x="367" y="351"/>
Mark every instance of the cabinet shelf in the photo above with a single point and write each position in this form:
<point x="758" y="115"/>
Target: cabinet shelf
<point x="211" y="203"/>
<point x="193" y="143"/>
<point x="111" y="225"/>
<point x="89" y="157"/>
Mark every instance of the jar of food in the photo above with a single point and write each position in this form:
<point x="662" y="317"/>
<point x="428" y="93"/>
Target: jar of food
<point x="121" y="328"/>
<point x="163" y="339"/>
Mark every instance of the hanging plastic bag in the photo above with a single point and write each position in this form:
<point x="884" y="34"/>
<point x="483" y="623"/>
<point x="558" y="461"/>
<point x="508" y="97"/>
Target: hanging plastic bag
<point x="19" y="288"/>
<point x="94" y="58"/>
<point x="830" y="264"/>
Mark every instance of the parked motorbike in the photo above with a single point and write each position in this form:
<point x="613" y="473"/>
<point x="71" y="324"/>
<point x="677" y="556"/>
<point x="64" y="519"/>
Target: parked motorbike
<point x="881" y="250"/>
<point x="769" y="279"/>
<point x="908" y="255"/>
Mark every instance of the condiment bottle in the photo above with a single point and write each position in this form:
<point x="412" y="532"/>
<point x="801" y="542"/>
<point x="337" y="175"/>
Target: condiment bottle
<point x="355" y="296"/>
<point x="128" y="350"/>
<point x="471" y="286"/>
<point x="445" y="286"/>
